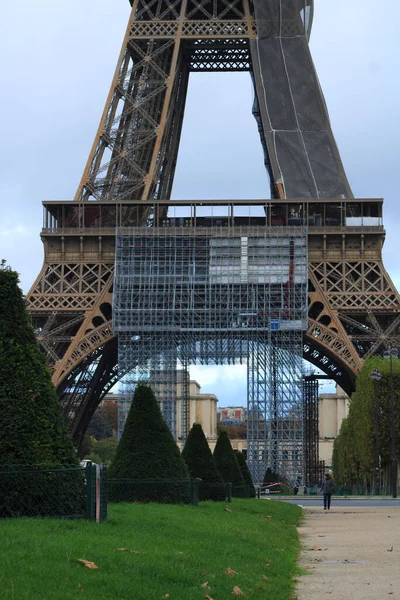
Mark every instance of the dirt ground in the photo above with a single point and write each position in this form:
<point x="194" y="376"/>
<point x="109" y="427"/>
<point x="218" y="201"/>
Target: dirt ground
<point x="350" y="554"/>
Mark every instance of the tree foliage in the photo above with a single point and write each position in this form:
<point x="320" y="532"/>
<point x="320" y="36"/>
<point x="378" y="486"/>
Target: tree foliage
<point x="201" y="463"/>
<point x="354" y="448"/>
<point x="147" y="451"/>
<point x="227" y="464"/>
<point x="102" y="451"/>
<point x="32" y="429"/>
<point x="246" y="474"/>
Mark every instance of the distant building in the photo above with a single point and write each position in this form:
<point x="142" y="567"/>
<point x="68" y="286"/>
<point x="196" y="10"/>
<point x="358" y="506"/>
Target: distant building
<point x="234" y="414"/>
<point x="202" y="409"/>
<point x="333" y="408"/>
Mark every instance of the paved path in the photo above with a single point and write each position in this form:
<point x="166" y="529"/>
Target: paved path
<point x="350" y="553"/>
<point x="339" y="502"/>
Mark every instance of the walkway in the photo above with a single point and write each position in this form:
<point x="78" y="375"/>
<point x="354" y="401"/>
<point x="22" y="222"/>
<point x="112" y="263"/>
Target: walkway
<point x="350" y="553"/>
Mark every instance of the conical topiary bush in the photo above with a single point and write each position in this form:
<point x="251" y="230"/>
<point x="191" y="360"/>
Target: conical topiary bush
<point x="227" y="464"/>
<point x="271" y="482"/>
<point x="33" y="433"/>
<point x="148" y="465"/>
<point x="201" y="464"/>
<point x="246" y="474"/>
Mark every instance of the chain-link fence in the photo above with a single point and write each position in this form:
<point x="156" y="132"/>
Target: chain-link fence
<point x="178" y="491"/>
<point x="49" y="491"/>
<point x="153" y="490"/>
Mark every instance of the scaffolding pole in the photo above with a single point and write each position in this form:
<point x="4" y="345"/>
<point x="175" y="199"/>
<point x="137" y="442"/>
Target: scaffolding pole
<point x="213" y="295"/>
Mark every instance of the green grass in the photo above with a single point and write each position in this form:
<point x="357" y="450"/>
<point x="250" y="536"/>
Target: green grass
<point x="170" y="550"/>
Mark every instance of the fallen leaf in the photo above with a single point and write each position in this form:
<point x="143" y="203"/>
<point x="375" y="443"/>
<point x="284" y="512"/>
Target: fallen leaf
<point x="207" y="597"/>
<point x="80" y="587"/>
<point x="321" y="536"/>
<point x="229" y="572"/>
<point x="309" y="567"/>
<point x="87" y="563"/>
<point x="179" y="552"/>
<point x="237" y="591"/>
<point x="205" y="585"/>
<point x="267" y="564"/>
<point x="318" y="559"/>
<point x="267" y="517"/>
<point x="265" y="577"/>
<point x="227" y="509"/>
<point x="165" y="597"/>
<point x="317" y="549"/>
<point x="122" y="549"/>
<point x="390" y="549"/>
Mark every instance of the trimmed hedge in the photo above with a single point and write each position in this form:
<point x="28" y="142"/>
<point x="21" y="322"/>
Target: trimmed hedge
<point x="146" y="451"/>
<point x="32" y="428"/>
<point x="246" y="474"/>
<point x="200" y="462"/>
<point x="228" y="465"/>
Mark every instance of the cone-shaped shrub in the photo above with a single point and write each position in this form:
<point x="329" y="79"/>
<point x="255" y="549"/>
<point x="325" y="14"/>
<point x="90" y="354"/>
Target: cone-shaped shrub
<point x="246" y="474"/>
<point x="271" y="477"/>
<point x="200" y="462"/>
<point x="148" y="465"/>
<point x="227" y="464"/>
<point x="32" y="428"/>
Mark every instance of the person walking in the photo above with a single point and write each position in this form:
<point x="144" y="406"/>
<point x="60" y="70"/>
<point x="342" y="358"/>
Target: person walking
<point x="327" y="489"/>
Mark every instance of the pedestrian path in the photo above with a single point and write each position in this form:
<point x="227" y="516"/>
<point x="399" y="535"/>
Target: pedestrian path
<point x="350" y="553"/>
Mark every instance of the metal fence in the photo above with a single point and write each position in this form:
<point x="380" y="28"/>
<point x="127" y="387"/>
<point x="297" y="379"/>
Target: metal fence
<point x="52" y="491"/>
<point x="184" y="491"/>
<point x="84" y="492"/>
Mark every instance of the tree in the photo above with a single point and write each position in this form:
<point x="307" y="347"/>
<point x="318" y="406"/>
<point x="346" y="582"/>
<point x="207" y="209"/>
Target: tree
<point x="271" y="477"/>
<point x="32" y="429"/>
<point x="99" y="427"/>
<point x="103" y="451"/>
<point x="246" y="474"/>
<point x="354" y="448"/>
<point x="200" y="462"/>
<point x="147" y="452"/>
<point x="227" y="464"/>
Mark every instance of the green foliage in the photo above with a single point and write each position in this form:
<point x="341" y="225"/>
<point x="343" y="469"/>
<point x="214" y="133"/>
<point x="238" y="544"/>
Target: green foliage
<point x="271" y="477"/>
<point x="32" y="429"/>
<point x="85" y="446"/>
<point x="103" y="450"/>
<point x="147" y="451"/>
<point x="246" y="474"/>
<point x="354" y="448"/>
<point x="100" y="426"/>
<point x="228" y="465"/>
<point x="200" y="462"/>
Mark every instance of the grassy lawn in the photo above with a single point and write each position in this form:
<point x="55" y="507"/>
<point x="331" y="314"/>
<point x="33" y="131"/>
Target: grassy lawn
<point x="168" y="552"/>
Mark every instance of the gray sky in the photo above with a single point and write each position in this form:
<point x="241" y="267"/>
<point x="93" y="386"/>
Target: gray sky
<point x="56" y="65"/>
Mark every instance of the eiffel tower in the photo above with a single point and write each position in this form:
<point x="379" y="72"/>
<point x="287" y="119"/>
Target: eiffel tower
<point x="353" y="306"/>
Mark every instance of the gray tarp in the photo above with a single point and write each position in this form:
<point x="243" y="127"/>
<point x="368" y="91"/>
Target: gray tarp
<point x="301" y="152"/>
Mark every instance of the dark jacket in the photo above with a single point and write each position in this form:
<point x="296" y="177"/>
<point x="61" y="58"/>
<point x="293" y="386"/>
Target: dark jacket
<point x="327" y="486"/>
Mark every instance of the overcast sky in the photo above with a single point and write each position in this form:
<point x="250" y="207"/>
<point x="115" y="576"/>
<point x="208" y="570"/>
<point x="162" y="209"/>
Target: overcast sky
<point x="56" y="65"/>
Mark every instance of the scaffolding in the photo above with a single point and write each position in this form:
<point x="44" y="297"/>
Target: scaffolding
<point x="212" y="295"/>
<point x="313" y="467"/>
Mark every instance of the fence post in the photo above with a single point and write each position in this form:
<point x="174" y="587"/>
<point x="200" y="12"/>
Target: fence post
<point x="89" y="492"/>
<point x="229" y="495"/>
<point x="103" y="493"/>
<point x="194" y="490"/>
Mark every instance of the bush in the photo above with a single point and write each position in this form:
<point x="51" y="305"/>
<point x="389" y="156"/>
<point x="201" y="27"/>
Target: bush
<point x="227" y="464"/>
<point x="146" y="452"/>
<point x="200" y="462"/>
<point x="246" y="474"/>
<point x="32" y="429"/>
